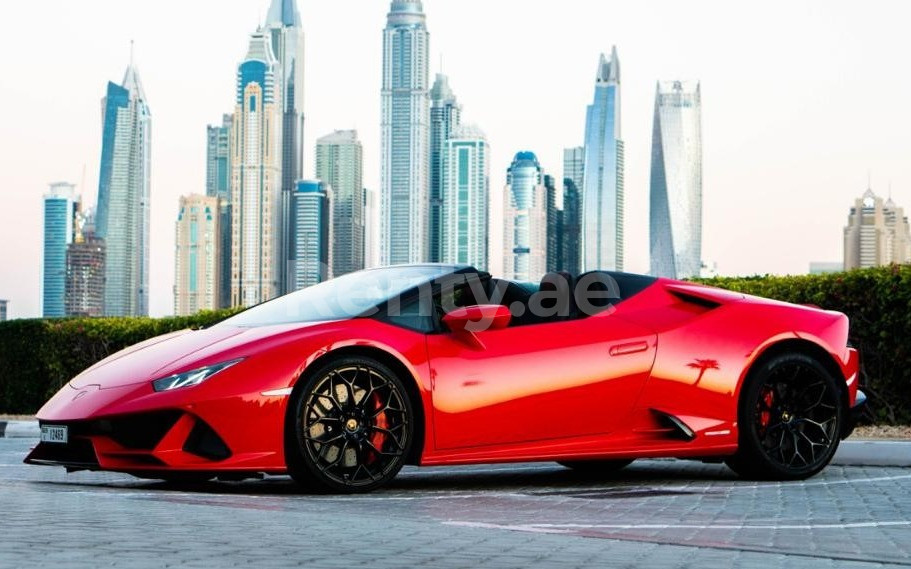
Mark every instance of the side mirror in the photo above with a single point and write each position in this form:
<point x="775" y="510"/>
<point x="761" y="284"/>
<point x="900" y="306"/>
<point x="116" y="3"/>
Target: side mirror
<point x="478" y="318"/>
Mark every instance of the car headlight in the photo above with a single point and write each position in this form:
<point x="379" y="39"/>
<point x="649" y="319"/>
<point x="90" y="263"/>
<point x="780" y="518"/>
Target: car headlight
<point x="192" y="377"/>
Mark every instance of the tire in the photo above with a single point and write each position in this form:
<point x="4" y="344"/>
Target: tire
<point x="351" y="427"/>
<point x="597" y="466"/>
<point x="790" y="416"/>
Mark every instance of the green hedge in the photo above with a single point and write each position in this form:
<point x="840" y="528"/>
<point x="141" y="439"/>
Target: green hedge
<point x="37" y="357"/>
<point x="878" y="302"/>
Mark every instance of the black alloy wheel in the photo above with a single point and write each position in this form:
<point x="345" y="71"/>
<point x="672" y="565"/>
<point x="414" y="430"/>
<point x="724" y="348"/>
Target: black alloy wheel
<point x="790" y="418"/>
<point x="353" y="427"/>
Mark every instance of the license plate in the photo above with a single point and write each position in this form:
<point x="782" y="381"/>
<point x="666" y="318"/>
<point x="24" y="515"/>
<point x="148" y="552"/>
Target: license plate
<point x="55" y="434"/>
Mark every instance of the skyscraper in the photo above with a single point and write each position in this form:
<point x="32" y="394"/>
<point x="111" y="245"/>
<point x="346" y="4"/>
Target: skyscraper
<point x="574" y="165"/>
<point x="465" y="197"/>
<point x="59" y="215"/>
<point x="405" y="160"/>
<point x="340" y="164"/>
<point x="525" y="220"/>
<point x="602" y="191"/>
<point x="3" y="310"/>
<point x="311" y="231"/>
<point x="218" y="184"/>
<point x="84" y="294"/>
<point x="123" y="196"/>
<point x="371" y="234"/>
<point x="218" y="158"/>
<point x="573" y="176"/>
<point x="877" y="233"/>
<point x="675" y="211"/>
<point x="554" y="226"/>
<point x="283" y="24"/>
<point x="198" y="255"/>
<point x="445" y="114"/>
<point x="256" y="143"/>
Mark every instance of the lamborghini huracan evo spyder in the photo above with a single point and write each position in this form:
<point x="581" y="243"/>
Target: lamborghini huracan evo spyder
<point x="342" y="383"/>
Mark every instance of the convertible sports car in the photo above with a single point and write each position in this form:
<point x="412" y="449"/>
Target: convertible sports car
<point x="341" y="384"/>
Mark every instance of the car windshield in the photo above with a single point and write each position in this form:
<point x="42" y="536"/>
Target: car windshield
<point x="344" y="297"/>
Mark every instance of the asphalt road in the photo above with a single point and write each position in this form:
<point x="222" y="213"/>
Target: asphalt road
<point x="653" y="514"/>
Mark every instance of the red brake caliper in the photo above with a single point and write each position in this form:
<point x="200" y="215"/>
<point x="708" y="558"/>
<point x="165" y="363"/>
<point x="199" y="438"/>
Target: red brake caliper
<point x="765" y="415"/>
<point x="380" y="421"/>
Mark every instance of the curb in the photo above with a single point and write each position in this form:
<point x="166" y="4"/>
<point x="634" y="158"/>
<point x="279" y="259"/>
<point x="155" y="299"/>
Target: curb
<point x="873" y="453"/>
<point x="850" y="453"/>
<point x="19" y="429"/>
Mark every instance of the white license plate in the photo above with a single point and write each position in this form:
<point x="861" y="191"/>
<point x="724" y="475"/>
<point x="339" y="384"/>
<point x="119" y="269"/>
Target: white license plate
<point x="55" y="434"/>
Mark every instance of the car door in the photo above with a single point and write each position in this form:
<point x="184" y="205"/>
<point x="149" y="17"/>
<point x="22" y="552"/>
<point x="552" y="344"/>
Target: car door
<point x="538" y="381"/>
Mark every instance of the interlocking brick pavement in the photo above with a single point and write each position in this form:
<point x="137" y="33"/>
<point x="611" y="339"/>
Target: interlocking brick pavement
<point x="655" y="513"/>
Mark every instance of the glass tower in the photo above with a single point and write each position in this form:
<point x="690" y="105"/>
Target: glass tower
<point x="311" y="230"/>
<point x="445" y="114"/>
<point x="123" y="196"/>
<point x="573" y="168"/>
<point x="256" y="143"/>
<point x="59" y="215"/>
<point x="465" y="197"/>
<point x="602" y="190"/>
<point x="196" y="263"/>
<point x="339" y="163"/>
<point x="675" y="208"/>
<point x="405" y="127"/>
<point x="525" y="217"/>
<point x="283" y="23"/>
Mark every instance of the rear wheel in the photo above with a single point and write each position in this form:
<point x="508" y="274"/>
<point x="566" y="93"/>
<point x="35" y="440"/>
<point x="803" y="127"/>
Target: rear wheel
<point x="352" y="428"/>
<point x="597" y="466"/>
<point x="790" y="417"/>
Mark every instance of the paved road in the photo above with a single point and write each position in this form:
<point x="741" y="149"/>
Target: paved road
<point x="655" y="513"/>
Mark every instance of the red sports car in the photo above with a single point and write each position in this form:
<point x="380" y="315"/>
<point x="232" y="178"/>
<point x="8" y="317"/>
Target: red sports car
<point x="342" y="383"/>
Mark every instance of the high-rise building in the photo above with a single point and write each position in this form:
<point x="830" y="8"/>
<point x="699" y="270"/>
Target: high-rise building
<point x="283" y="24"/>
<point x="84" y="294"/>
<point x="554" y="226"/>
<point x="256" y="143"/>
<point x="340" y="164"/>
<point x="218" y="183"/>
<point x="574" y="165"/>
<point x="371" y="234"/>
<point x="123" y="196"/>
<point x="675" y="211"/>
<point x="59" y="217"/>
<point x="3" y="309"/>
<point x="218" y="158"/>
<point x="405" y="159"/>
<point x="465" y="196"/>
<point x="445" y="114"/>
<point x="877" y="233"/>
<point x="573" y="177"/>
<point x="525" y="220"/>
<point x="311" y="230"/>
<point x="197" y="258"/>
<point x="602" y="190"/>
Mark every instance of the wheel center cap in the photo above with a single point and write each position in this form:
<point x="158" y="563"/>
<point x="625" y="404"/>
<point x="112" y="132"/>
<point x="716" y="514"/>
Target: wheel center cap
<point x="351" y="425"/>
<point x="786" y="417"/>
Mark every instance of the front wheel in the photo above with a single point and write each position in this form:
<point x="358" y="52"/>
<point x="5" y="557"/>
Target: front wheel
<point x="352" y="428"/>
<point x="790" y="417"/>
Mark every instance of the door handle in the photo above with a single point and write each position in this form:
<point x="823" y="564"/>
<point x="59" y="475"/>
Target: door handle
<point x="628" y="348"/>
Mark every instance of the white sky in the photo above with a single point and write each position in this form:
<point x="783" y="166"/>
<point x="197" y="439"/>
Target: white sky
<point x="800" y="100"/>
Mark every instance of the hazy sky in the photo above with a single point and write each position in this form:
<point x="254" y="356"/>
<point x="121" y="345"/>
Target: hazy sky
<point x="799" y="100"/>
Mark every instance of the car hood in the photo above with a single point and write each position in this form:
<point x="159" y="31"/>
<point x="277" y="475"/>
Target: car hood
<point x="159" y="356"/>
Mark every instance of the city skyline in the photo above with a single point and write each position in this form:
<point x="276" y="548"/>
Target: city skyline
<point x="730" y="166"/>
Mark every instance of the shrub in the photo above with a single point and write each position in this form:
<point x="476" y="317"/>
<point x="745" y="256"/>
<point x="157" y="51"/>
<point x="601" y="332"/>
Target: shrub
<point x="37" y="357"/>
<point x="878" y="303"/>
